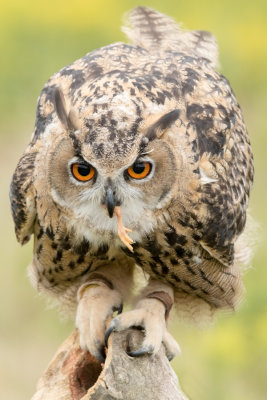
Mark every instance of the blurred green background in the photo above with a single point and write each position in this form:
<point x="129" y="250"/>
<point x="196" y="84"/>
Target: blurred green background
<point x="227" y="361"/>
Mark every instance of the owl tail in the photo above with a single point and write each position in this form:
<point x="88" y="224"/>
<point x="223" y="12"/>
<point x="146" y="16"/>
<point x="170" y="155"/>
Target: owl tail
<point x="157" y="32"/>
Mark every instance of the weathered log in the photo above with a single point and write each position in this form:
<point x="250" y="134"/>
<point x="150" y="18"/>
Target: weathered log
<point x="74" y="374"/>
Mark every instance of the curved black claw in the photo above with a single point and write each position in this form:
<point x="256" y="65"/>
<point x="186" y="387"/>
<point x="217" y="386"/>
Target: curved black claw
<point x="118" y="309"/>
<point x="141" y="352"/>
<point x="100" y="354"/>
<point x="170" y="357"/>
<point x="111" y="328"/>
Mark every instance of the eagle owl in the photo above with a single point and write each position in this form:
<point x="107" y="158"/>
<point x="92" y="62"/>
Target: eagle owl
<point x="140" y="158"/>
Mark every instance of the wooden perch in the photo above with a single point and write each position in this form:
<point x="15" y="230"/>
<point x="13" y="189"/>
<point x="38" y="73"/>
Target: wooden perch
<point x="74" y="374"/>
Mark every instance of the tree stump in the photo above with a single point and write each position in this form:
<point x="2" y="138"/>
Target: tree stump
<point x="74" y="374"/>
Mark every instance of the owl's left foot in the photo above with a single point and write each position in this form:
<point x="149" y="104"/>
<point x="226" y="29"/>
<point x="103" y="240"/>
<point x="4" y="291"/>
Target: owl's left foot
<point x="150" y="314"/>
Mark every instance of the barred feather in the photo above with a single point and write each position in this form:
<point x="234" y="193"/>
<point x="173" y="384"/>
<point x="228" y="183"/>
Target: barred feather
<point x="157" y="32"/>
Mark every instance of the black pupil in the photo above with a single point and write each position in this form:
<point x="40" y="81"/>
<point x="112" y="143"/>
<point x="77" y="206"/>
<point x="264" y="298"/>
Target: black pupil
<point x="138" y="167"/>
<point x="84" y="170"/>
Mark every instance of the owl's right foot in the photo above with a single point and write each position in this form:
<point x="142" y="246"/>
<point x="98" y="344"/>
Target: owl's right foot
<point x="97" y="303"/>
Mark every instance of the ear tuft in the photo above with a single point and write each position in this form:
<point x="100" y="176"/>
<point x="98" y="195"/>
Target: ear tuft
<point x="68" y="120"/>
<point x="159" y="127"/>
<point x="73" y="120"/>
<point x="60" y="106"/>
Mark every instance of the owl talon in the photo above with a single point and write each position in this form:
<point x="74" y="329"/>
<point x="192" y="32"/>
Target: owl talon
<point x="118" y="309"/>
<point x="141" y="352"/>
<point x="99" y="353"/>
<point x="111" y="328"/>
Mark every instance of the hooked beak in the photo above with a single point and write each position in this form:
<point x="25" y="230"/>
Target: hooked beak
<point x="110" y="201"/>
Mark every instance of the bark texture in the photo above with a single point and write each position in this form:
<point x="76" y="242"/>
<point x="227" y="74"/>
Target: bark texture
<point x="74" y="374"/>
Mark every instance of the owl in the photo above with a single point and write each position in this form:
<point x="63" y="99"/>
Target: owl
<point x="140" y="160"/>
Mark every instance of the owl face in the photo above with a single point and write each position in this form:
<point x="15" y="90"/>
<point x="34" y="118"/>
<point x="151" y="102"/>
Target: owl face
<point x="91" y="183"/>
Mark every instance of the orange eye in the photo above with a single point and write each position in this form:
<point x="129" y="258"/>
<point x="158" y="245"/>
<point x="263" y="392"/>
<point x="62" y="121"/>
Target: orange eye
<point x="139" y="170"/>
<point x="82" y="172"/>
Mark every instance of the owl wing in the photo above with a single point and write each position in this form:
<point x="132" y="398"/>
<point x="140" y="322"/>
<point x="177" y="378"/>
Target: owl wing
<point x="225" y="166"/>
<point x="22" y="197"/>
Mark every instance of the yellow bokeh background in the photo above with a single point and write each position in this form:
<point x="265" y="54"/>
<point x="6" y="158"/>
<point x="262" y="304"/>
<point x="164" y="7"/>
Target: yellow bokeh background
<point x="226" y="361"/>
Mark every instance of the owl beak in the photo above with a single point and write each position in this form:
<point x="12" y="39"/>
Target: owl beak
<point x="110" y="201"/>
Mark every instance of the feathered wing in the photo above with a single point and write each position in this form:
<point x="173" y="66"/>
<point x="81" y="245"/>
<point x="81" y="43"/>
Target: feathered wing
<point x="22" y="197"/>
<point x="156" y="32"/>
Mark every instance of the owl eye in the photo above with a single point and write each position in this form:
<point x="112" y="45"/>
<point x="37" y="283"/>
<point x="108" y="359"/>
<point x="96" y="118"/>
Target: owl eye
<point x="139" y="170"/>
<point x="82" y="172"/>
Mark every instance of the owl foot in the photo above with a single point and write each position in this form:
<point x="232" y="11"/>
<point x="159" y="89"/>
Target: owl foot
<point x="149" y="314"/>
<point x="97" y="303"/>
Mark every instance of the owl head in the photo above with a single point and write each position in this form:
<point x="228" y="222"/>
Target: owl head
<point x="101" y="158"/>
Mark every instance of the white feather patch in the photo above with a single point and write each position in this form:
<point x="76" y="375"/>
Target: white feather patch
<point x="204" y="178"/>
